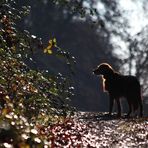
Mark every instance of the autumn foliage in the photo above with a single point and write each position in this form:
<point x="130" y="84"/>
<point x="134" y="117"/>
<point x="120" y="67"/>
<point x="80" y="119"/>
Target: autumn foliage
<point x="29" y="98"/>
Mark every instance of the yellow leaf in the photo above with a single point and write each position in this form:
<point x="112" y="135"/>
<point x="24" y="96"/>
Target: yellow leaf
<point x="50" y="42"/>
<point x="4" y="111"/>
<point x="24" y="145"/>
<point x="55" y="42"/>
<point x="49" y="47"/>
<point x="49" y="51"/>
<point x="45" y="50"/>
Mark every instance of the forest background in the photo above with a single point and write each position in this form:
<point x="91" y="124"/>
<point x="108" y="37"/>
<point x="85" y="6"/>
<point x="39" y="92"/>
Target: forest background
<point x="94" y="32"/>
<point x="48" y="50"/>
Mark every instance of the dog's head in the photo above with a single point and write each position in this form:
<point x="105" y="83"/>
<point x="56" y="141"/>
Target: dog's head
<point x="104" y="69"/>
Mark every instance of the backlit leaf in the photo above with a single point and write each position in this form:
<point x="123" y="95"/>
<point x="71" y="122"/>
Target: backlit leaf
<point x="49" y="51"/>
<point x="55" y="42"/>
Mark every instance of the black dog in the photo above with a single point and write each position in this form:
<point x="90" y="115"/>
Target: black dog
<point x="119" y="86"/>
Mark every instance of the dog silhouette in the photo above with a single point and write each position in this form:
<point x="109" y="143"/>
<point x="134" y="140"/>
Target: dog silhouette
<point x="118" y="86"/>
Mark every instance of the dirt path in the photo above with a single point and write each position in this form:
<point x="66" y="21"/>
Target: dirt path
<point x="103" y="131"/>
<point x="97" y="130"/>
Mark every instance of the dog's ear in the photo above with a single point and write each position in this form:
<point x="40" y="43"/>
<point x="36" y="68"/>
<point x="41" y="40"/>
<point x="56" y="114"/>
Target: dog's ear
<point x="106" y="70"/>
<point x="108" y="73"/>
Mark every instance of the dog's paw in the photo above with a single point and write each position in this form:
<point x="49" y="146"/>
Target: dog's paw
<point x="108" y="114"/>
<point x="118" y="115"/>
<point x="127" y="116"/>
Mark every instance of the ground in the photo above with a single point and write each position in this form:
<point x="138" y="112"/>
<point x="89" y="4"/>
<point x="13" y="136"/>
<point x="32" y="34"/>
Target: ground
<point x="97" y="130"/>
<point x="103" y="131"/>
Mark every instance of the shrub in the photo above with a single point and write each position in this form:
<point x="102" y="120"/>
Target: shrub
<point x="29" y="99"/>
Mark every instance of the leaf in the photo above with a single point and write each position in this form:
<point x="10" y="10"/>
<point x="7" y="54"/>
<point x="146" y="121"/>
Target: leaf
<point x="54" y="42"/>
<point x="33" y="36"/>
<point x="45" y="50"/>
<point x="34" y="131"/>
<point x="24" y="145"/>
<point x="4" y="111"/>
<point x="50" y="43"/>
<point x="49" y="47"/>
<point x="54" y="91"/>
<point x="13" y="48"/>
<point x="49" y="51"/>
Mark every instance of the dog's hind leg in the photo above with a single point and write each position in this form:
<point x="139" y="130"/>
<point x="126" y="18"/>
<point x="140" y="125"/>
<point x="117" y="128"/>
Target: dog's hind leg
<point x="130" y="108"/>
<point x="138" y="105"/>
<point x="119" y="107"/>
<point x="141" y="108"/>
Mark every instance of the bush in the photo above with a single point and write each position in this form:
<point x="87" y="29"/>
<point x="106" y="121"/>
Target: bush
<point x="29" y="99"/>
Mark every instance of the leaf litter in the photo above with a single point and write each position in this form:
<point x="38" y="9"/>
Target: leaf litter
<point x="97" y="130"/>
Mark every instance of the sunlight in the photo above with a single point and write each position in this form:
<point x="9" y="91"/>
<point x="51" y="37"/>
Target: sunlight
<point x="134" y="12"/>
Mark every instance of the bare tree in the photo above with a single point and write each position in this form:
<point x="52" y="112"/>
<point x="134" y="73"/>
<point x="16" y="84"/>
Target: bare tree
<point x="138" y="58"/>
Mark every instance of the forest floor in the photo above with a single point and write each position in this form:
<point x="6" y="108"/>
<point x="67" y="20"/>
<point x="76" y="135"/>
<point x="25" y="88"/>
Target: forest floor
<point x="97" y="130"/>
<point x="104" y="131"/>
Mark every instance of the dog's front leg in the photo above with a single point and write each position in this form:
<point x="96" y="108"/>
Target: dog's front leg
<point x="119" y="107"/>
<point x="111" y="101"/>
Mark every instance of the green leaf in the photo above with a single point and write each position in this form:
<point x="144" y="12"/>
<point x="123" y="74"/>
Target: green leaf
<point x="54" y="91"/>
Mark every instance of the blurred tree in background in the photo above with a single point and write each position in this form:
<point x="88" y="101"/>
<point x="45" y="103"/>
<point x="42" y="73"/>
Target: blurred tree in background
<point x="137" y="61"/>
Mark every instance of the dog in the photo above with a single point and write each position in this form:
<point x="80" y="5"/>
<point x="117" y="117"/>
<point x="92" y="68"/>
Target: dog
<point x="118" y="86"/>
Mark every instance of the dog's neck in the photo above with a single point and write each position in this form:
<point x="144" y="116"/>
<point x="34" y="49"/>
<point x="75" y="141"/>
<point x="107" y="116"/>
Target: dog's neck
<point x="108" y="77"/>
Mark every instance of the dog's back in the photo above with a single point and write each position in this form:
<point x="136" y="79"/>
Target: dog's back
<point x="125" y="86"/>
